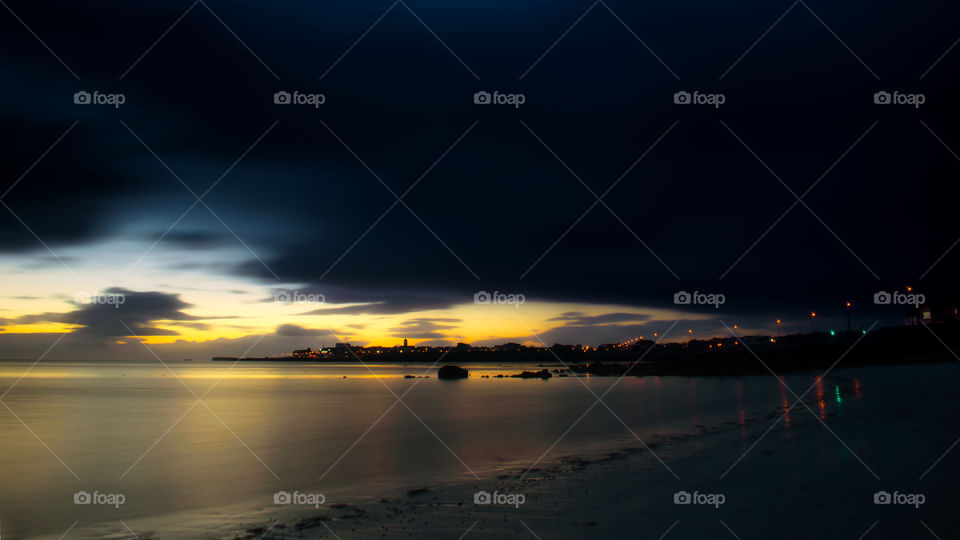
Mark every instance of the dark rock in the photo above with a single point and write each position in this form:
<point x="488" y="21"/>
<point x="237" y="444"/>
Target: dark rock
<point x="452" y="372"/>
<point x="542" y="374"/>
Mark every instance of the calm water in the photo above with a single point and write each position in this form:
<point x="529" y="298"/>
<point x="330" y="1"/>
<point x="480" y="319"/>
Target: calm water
<point x="137" y="430"/>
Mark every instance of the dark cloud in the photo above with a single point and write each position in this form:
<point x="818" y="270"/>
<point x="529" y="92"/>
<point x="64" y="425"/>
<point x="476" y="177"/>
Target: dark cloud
<point x="381" y="301"/>
<point x="37" y="318"/>
<point x="191" y="239"/>
<point x="574" y="318"/>
<point x="425" y="328"/>
<point x="138" y="312"/>
<point x="292" y="330"/>
<point x="121" y="312"/>
<point x="421" y="335"/>
<point x="193" y="325"/>
<point x="497" y="202"/>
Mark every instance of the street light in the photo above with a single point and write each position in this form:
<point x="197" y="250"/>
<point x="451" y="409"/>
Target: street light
<point x="813" y="320"/>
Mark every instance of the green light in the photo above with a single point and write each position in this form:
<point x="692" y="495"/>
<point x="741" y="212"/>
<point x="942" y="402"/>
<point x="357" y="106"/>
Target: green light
<point x="863" y="331"/>
<point x="836" y="390"/>
<point x="832" y="333"/>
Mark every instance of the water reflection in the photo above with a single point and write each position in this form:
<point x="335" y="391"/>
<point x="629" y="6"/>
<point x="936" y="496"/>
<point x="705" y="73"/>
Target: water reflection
<point x="692" y="391"/>
<point x="784" y="402"/>
<point x="821" y="402"/>
<point x="741" y="413"/>
<point x="305" y="422"/>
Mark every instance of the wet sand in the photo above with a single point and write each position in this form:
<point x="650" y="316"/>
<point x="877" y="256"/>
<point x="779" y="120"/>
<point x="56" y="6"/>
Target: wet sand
<point x="797" y="479"/>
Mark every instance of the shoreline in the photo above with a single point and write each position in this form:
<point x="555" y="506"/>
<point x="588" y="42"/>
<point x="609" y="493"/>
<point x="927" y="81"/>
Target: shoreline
<point x="623" y="488"/>
<point x="618" y="488"/>
<point x="906" y="345"/>
<point x="746" y="366"/>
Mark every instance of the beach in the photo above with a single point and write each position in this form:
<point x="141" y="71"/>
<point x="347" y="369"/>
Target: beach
<point x="438" y="270"/>
<point x="554" y="471"/>
<point x="798" y="481"/>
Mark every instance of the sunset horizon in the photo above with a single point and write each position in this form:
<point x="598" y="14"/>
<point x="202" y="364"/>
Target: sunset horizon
<point x="425" y="270"/>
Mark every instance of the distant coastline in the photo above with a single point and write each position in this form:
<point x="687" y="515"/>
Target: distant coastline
<point x="718" y="356"/>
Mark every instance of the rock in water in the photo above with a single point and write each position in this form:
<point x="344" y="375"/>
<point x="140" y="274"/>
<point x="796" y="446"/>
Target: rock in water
<point x="542" y="374"/>
<point x="452" y="372"/>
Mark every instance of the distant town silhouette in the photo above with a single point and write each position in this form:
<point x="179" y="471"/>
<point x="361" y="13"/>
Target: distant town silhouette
<point x="919" y="340"/>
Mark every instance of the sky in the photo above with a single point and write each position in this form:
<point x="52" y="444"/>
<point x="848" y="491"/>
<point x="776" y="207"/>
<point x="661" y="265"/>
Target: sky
<point x="382" y="212"/>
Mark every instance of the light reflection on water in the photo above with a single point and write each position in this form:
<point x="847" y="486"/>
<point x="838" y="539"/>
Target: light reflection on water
<point x="135" y="429"/>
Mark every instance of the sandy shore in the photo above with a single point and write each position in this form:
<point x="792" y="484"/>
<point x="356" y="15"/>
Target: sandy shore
<point x="810" y="474"/>
<point x="799" y="479"/>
